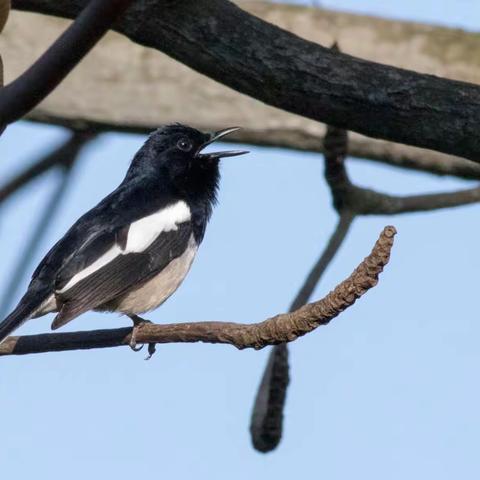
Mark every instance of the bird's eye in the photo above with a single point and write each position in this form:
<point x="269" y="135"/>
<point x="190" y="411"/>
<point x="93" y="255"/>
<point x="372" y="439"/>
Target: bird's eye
<point x="184" y="144"/>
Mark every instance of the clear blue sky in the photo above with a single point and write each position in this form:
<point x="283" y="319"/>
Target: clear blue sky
<point x="387" y="390"/>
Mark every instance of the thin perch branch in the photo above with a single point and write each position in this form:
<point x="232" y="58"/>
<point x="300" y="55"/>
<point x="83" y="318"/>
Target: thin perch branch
<point x="282" y="328"/>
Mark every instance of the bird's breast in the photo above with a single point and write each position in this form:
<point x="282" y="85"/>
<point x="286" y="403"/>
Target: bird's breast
<point x="155" y="291"/>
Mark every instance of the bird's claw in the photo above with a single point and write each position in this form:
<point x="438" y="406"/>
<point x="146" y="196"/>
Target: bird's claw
<point x="138" y="323"/>
<point x="151" y="350"/>
<point x="133" y="345"/>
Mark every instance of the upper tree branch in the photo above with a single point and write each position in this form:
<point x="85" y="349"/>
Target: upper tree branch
<point x="27" y="36"/>
<point x="24" y="93"/>
<point x="279" y="329"/>
<point x="283" y="70"/>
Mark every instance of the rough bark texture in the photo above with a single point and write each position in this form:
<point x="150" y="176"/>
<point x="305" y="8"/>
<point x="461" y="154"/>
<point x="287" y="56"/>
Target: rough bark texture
<point x="125" y="86"/>
<point x="277" y="67"/>
<point x="281" y="328"/>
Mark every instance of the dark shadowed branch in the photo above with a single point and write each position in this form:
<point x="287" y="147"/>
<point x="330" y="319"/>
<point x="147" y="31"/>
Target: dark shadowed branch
<point x="64" y="157"/>
<point x="280" y="69"/>
<point x="60" y="156"/>
<point x="267" y="414"/>
<point x="363" y="201"/>
<point x="374" y="203"/>
<point x="266" y="424"/>
<point x="349" y="201"/>
<point x="48" y="215"/>
<point x="24" y="93"/>
<point x="281" y="328"/>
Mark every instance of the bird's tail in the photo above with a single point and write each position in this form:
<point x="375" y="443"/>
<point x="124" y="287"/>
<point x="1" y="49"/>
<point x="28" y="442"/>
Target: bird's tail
<point x="23" y="312"/>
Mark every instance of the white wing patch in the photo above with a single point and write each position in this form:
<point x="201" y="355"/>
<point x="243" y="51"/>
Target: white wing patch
<point x="141" y="234"/>
<point x="96" y="265"/>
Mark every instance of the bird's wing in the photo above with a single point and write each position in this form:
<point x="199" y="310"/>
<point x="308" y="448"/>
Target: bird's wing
<point x="115" y="262"/>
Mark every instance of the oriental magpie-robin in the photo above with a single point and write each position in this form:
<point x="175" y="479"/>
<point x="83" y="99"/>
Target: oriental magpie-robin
<point x="133" y="250"/>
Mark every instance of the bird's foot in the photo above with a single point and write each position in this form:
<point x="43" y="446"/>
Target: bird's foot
<point x="138" y="323"/>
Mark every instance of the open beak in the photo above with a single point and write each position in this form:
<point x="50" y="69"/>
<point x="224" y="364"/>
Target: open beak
<point x="226" y="153"/>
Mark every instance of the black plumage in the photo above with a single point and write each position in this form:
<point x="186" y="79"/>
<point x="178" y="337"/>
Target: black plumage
<point x="139" y="240"/>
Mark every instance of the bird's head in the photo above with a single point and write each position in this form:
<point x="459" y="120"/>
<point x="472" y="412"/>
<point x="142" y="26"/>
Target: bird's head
<point x="176" y="152"/>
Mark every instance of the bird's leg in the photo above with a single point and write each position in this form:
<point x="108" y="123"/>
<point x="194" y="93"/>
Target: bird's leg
<point x="138" y="322"/>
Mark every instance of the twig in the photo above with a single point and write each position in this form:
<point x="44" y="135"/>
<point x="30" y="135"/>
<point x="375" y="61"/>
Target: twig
<point x="59" y="156"/>
<point x="266" y="423"/>
<point x="370" y="202"/>
<point x="363" y="201"/>
<point x="282" y="328"/>
<point x="24" y="93"/>
<point x="267" y="415"/>
<point x="338" y="236"/>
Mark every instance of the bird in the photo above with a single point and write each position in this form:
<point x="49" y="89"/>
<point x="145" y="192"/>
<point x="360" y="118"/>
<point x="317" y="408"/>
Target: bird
<point x="131" y="252"/>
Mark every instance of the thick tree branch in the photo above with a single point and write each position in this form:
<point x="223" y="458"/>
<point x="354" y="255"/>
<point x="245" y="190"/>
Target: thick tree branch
<point x="24" y="93"/>
<point x="166" y="91"/>
<point x="283" y="70"/>
<point x="279" y="329"/>
<point x="61" y="155"/>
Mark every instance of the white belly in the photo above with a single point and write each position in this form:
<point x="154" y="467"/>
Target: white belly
<point x="154" y="292"/>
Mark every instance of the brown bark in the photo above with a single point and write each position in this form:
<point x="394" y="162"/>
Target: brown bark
<point x="281" y="328"/>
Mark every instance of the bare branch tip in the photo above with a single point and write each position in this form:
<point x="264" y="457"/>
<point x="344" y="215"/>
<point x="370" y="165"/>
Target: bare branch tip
<point x="389" y="231"/>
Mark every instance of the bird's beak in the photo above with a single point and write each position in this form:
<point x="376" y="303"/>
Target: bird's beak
<point x="226" y="153"/>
